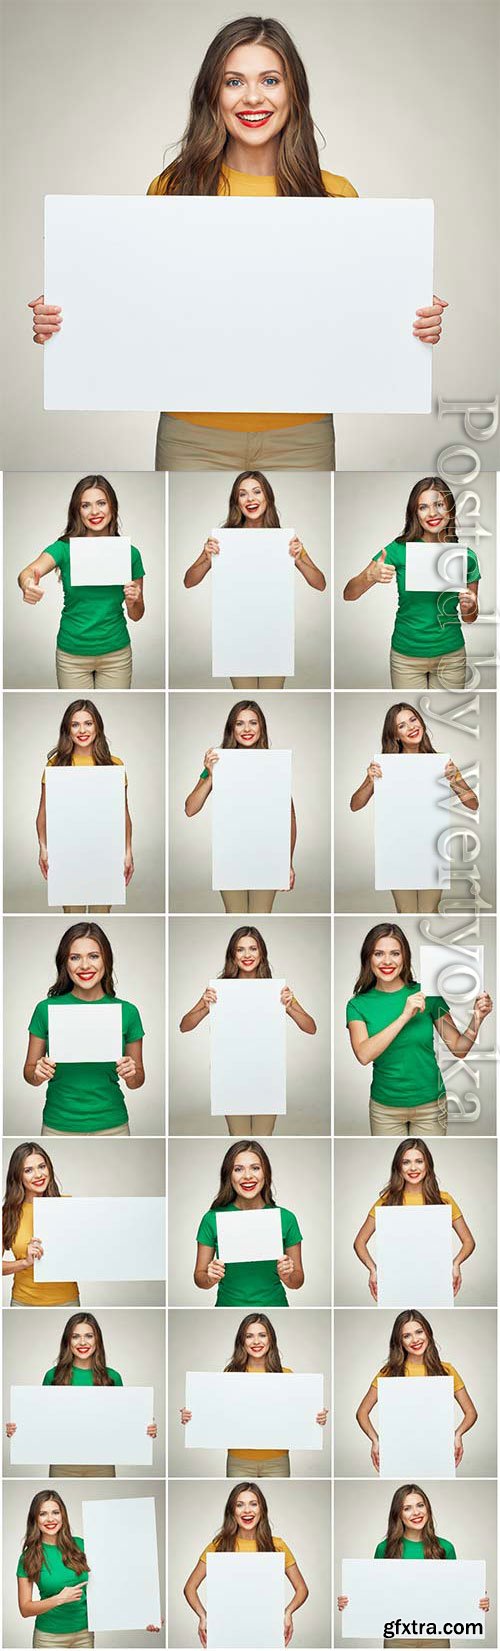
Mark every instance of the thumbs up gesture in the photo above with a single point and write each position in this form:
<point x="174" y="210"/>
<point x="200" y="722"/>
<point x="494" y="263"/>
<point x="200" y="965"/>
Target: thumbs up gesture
<point x="380" y="572"/>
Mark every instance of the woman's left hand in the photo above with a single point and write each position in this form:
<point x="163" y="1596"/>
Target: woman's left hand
<point x="483" y="1006"/>
<point x="295" y="547"/>
<point x="132" y="591"/>
<point x="457" y="1277"/>
<point x="285" y="1267"/>
<point x="468" y="603"/>
<point x="451" y="770"/>
<point x="484" y="1604"/>
<point x="322" y="1418"/>
<point x="152" y="1430"/>
<point x="128" y="867"/>
<point x="126" y="1067"/>
<point x="428" y="322"/>
<point x="286" y="996"/>
<point x="291" y="884"/>
<point x="459" y="1448"/>
<point x="288" y="1627"/>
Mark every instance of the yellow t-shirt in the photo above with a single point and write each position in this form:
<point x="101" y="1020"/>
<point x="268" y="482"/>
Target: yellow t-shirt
<point x="82" y="759"/>
<point x="248" y="1545"/>
<point x="24" y="1289"/>
<point x="415" y="1196"/>
<point x="412" y="1369"/>
<point x="261" y="1455"/>
<point x="247" y="183"/>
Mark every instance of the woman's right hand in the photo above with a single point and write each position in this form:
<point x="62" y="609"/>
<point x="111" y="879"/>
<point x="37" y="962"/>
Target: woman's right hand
<point x="415" y="1004"/>
<point x="34" y="1251"/>
<point x="375" y="1454"/>
<point x="44" y="1069"/>
<point x="43" y="860"/>
<point x="215" y="1270"/>
<point x="186" y="1416"/>
<point x="342" y="1601"/>
<point x="10" y="1429"/>
<point x="69" y="1594"/>
<point x="211" y="548"/>
<point x="209" y="996"/>
<point x="31" y="589"/>
<point x="47" y="319"/>
<point x="210" y="758"/>
<point x="202" y="1629"/>
<point x="372" y="1282"/>
<point x="374" y="772"/>
<point x="381" y="572"/>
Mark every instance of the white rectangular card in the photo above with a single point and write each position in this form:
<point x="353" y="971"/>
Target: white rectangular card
<point x="249" y="1235"/>
<point x="253" y="602"/>
<point x="85" y="1032"/>
<point x="414" y="1255"/>
<point x="416" y="1427"/>
<point x="247" y="1047"/>
<point x="102" y="561"/>
<point x="452" y="971"/>
<point x="123" y="1590"/>
<point x="101" y="1238"/>
<point x="86" y="836"/>
<point x="435" y="567"/>
<point x="245" y="1601"/>
<point x="82" y="1424"/>
<point x="382" y="1590"/>
<point x="344" y="277"/>
<point x="276" y="1413"/>
<point x="410" y="814"/>
<point x="251" y="803"/>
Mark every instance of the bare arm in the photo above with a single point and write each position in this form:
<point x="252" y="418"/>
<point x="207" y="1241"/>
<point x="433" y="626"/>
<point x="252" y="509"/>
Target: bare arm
<point x="363" y="1419"/>
<point x="131" y="1067"/>
<point x="458" y="1042"/>
<point x="467" y="1242"/>
<point x="377" y="572"/>
<point x="41" y="831"/>
<point x="463" y="791"/>
<point x="365" y="791"/>
<point x="290" y="1269"/>
<point x="193" y="1016"/>
<point x="134" y="598"/>
<point x="297" y="1013"/>
<point x="469" y="603"/>
<point x="208" y="1269"/>
<point x="300" y="1591"/>
<point x="29" y="577"/>
<point x="191" y="1594"/>
<point x="36" y="1608"/>
<point x="363" y="1253"/>
<point x="305" y="565"/>
<point x="202" y="566"/>
<point x="367" y="1049"/>
<point x="469" y="1412"/>
<point x="37" y="1067"/>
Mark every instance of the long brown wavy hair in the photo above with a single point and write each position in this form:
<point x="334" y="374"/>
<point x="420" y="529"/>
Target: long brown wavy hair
<point x="382" y="931"/>
<point x="228" y="737"/>
<point x="230" y="970"/>
<point x="412" y="528"/>
<point x="397" y="1358"/>
<point x="197" y="168"/>
<point x="82" y="931"/>
<point x="239" y="1356"/>
<point x="226" y="1193"/>
<point x="395" y="1527"/>
<point x="75" y="528"/>
<point x="32" y="1552"/>
<point x="235" y="517"/>
<point x="390" y="740"/>
<point x="15" y="1193"/>
<point x="62" y="753"/>
<point x="225" y="1541"/>
<point x="65" y="1358"/>
<point x="393" y="1192"/>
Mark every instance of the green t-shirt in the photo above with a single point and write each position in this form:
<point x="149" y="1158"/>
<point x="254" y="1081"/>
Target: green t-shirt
<point x="250" y="1283"/>
<point x="83" y="1096"/>
<point x="427" y="621"/>
<point x="407" y="1074"/>
<point x="415" y="1550"/>
<point x="70" y="1618"/>
<point x="82" y="1378"/>
<point x="92" y="619"/>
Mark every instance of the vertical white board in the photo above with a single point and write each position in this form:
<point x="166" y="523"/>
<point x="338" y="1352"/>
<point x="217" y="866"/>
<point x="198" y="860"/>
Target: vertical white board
<point x="416" y="1427"/>
<point x="85" y="1031"/>
<point x="82" y="1424"/>
<point x="86" y="836"/>
<point x="382" y="1590"/>
<point x="276" y="1413"/>
<point x="251" y="820"/>
<point x="414" y="1255"/>
<point x="101" y="1238"/>
<point x="253" y="602"/>
<point x="247" y="1047"/>
<point x="245" y="1601"/>
<point x="248" y="1235"/>
<point x="410" y="814"/>
<point x="452" y="971"/>
<point x="101" y="561"/>
<point x="435" y="567"/>
<point x="120" y="1543"/>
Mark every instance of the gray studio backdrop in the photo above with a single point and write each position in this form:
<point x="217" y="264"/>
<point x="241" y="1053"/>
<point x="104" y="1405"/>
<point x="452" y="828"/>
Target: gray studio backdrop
<point x="299" y="952"/>
<point x="195" y="1343"/>
<point x="35" y="514"/>
<point x="299" y="1513"/>
<point x="148" y="64"/>
<point x="30" y="945"/>
<point x="197" y="505"/>
<point x="463" y="1513"/>
<point x="105" y="1169"/>
<point x="301" y="1181"/>
<point x="17" y="1498"/>
<point x="471" y="1089"/>
<point x="466" y="1339"/>
<point x="135" y="730"/>
<point x="359" y="720"/>
<point x="135" y="1347"/>
<point x="465" y="1169"/>
<point x="300" y="722"/>
<point x="369" y="513"/>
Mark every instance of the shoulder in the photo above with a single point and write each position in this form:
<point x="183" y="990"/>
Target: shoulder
<point x="59" y="550"/>
<point x="356" y="1007"/>
<point x="20" y="1571"/>
<point x="78" y="1541"/>
<point x="49" y="1377"/>
<point x="115" y="1376"/>
<point x="279" y="1544"/>
<point x="154" y="186"/>
<point x="118" y="762"/>
<point x="337" y="185"/>
<point x="449" y="1549"/>
<point x="41" y="1011"/>
<point x="380" y="1549"/>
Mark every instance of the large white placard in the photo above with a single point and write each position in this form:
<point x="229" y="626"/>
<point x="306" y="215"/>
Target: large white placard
<point x="251" y="820"/>
<point x="276" y="1413"/>
<point x="82" y="1424"/>
<point x="85" y="1032"/>
<point x="435" y="567"/>
<point x="452" y="971"/>
<point x="410" y="814"/>
<point x="245" y="1601"/>
<point x="345" y="278"/>
<point x="382" y="1590"/>
<point x="247" y="1047"/>
<point x="86" y="835"/>
<point x="416" y="1427"/>
<point x="253" y="602"/>
<point x="123" y="1590"/>
<point x="414" y="1255"/>
<point x="249" y="1235"/>
<point x="102" y="561"/>
<point x="101" y="1238"/>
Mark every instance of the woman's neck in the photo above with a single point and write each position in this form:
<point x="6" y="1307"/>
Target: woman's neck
<point x="389" y="985"/>
<point x="407" y="750"/>
<point x="78" y="748"/>
<point x="50" y="1541"/>
<point x="257" y="163"/>
<point x="412" y="1536"/>
<point x="93" y="994"/>
<point x="82" y="1364"/>
<point x="256" y="1363"/>
<point x="256" y="1203"/>
<point x="247" y="974"/>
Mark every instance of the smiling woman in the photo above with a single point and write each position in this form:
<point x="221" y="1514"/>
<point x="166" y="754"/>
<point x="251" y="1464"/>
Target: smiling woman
<point x="246" y="1184"/>
<point x="246" y="1530"/>
<point x="245" y="730"/>
<point x="82" y="743"/>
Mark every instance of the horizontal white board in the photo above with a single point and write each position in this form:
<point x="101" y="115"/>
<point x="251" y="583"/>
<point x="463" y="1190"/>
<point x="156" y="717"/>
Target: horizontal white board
<point x="414" y="1255"/>
<point x="253" y="602"/>
<point x="120" y="1543"/>
<point x="249" y="1235"/>
<point x="85" y="1032"/>
<point x="452" y="971"/>
<point x="82" y="1424"/>
<point x="410" y="814"/>
<point x="247" y="1047"/>
<point x="416" y="1427"/>
<point x="435" y="567"/>
<point x="276" y="1413"/>
<point x="245" y="1601"/>
<point x="101" y="561"/>
<point x="86" y="835"/>
<point x="251" y="820"/>
<point x="101" y="1238"/>
<point x="382" y="1590"/>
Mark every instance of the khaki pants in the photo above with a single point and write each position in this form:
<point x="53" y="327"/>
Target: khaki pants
<point x="68" y="1471"/>
<point x="257" y="681"/>
<point x="247" y="1124"/>
<point x="436" y="671"/>
<point x="406" y="900"/>
<point x="184" y="446"/>
<point x="242" y="1467"/>
<point x="408" y="1642"/>
<point x="121" y="1129"/>
<point x="431" y="1119"/>
<point x="30" y="1304"/>
<point x="87" y="671"/>
<point x="86" y="908"/>
<point x="246" y="900"/>
<point x="83" y="1638"/>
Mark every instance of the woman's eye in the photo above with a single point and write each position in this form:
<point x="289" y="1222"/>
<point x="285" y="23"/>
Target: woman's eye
<point x="233" y="81"/>
<point x="271" y="80"/>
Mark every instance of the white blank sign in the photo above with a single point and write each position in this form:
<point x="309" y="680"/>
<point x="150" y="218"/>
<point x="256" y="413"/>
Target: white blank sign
<point x="102" y="561"/>
<point x="276" y="1413"/>
<point x="452" y="971"/>
<point x="344" y="277"/>
<point x="82" y="1424"/>
<point x="85" y="1032"/>
<point x="247" y="1047"/>
<point x="245" y="1601"/>
<point x="409" y="818"/>
<point x="249" y="1235"/>
<point x="101" y="1238"/>
<point x="86" y="835"/>
<point x="435" y="567"/>
<point x="252" y="820"/>
<point x="437" y="1590"/>
<point x="123" y="1590"/>
<point x="253" y="602"/>
<point x="414" y="1255"/>
<point x="416" y="1427"/>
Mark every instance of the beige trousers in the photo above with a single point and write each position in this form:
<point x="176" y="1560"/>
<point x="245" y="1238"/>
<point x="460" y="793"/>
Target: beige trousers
<point x="67" y="1470"/>
<point x="242" y="1467"/>
<point x="87" y="671"/>
<point x="246" y="1124"/>
<point x="82" y="1638"/>
<point x="257" y="681"/>
<point x="408" y="1642"/>
<point x="121" y="1129"/>
<point x="436" y="671"/>
<point x="431" y="1119"/>
<point x="248" y="900"/>
<point x="406" y="900"/>
<point x="87" y="908"/>
<point x="184" y="446"/>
